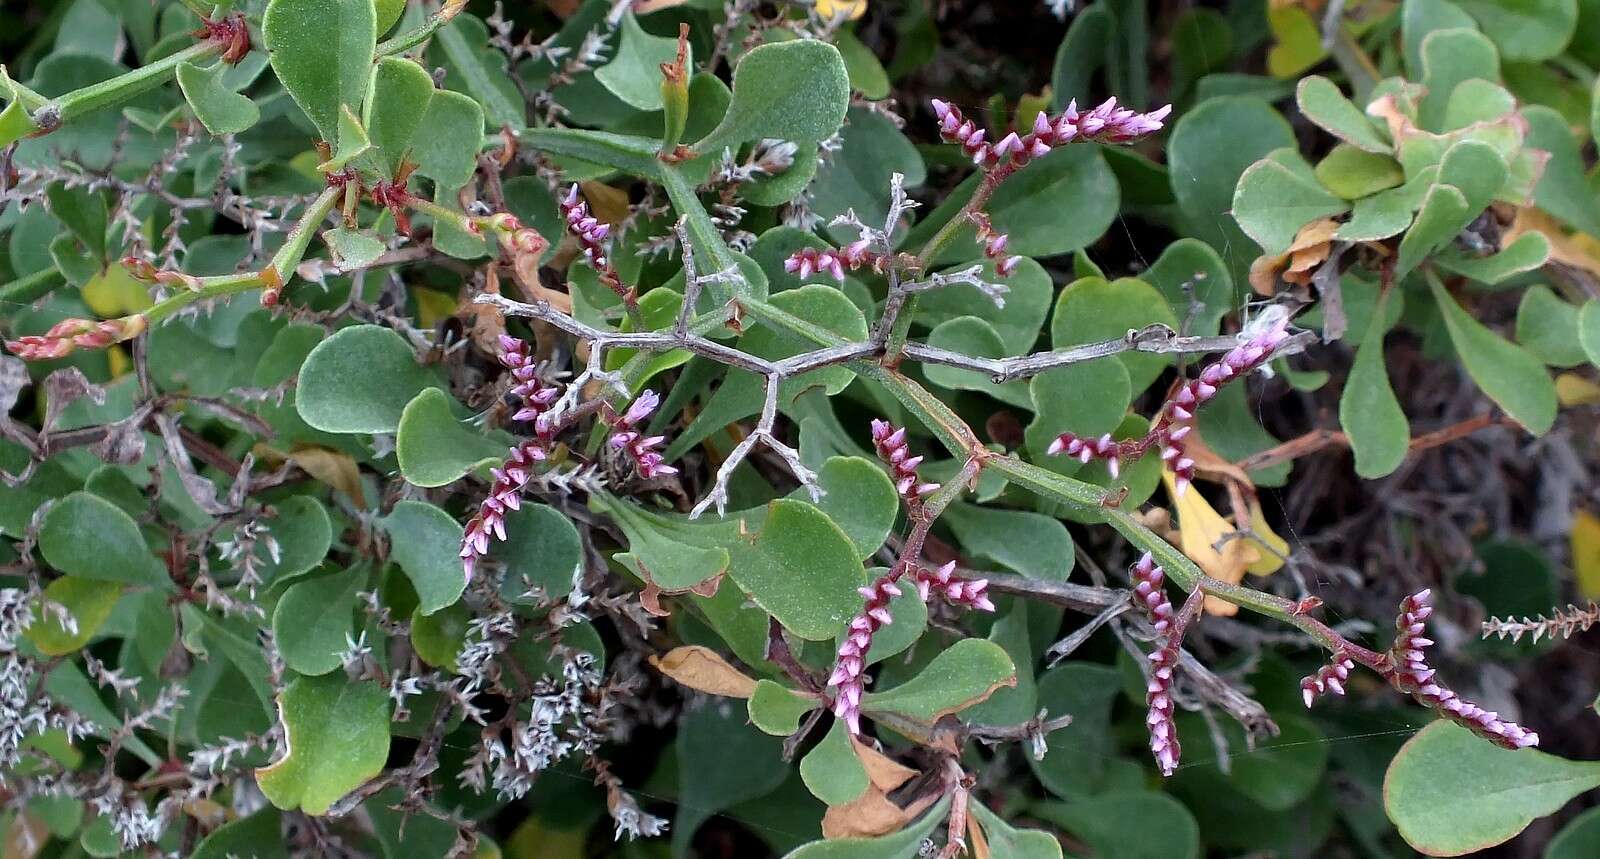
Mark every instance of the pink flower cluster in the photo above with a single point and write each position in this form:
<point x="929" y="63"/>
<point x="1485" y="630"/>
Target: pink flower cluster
<point x="1176" y="419"/>
<point x="505" y="493"/>
<point x="890" y="442"/>
<point x="1148" y="579"/>
<point x="806" y="261"/>
<point x="994" y="245"/>
<point x="627" y="436"/>
<point x="591" y="234"/>
<point x="1410" y="673"/>
<point x="68" y="335"/>
<point x="849" y="672"/>
<point x="1329" y="678"/>
<point x="1108" y="123"/>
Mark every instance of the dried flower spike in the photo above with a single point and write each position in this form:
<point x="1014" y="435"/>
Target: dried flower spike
<point x="69" y="335"/>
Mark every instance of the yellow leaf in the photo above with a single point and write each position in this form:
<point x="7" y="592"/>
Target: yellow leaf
<point x="119" y="361"/>
<point x="113" y="292"/>
<point x="704" y="669"/>
<point x="831" y="9"/>
<point x="1199" y="529"/>
<point x="433" y="305"/>
<point x="334" y="468"/>
<point x="1274" y="548"/>
<point x="1586" y="552"/>
<point x="1574" y="390"/>
<point x="537" y="840"/>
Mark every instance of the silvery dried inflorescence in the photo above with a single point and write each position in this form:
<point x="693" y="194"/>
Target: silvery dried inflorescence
<point x="1108" y="123"/>
<point x="534" y="399"/>
<point x="558" y="724"/>
<point x="628" y="435"/>
<point x="630" y="819"/>
<point x="890" y="442"/>
<point x="1256" y="345"/>
<point x="134" y="824"/>
<point x="1410" y="673"/>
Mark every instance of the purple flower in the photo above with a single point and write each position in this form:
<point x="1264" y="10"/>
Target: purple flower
<point x="642" y="449"/>
<point x="890" y="442"/>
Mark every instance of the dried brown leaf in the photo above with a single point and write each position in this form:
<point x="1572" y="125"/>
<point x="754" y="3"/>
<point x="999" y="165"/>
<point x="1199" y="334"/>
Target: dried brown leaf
<point x="703" y="669"/>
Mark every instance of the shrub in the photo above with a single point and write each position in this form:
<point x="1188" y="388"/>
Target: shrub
<point x="433" y="431"/>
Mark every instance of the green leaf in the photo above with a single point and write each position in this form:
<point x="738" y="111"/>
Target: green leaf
<point x="219" y="109"/>
<point x="88" y="601"/>
<point x="973" y="337"/>
<point x="960" y="676"/>
<point x="336" y="737"/>
<point x="1449" y="58"/>
<point x="1019" y="703"/>
<point x="1526" y="29"/>
<point x="399" y="97"/>
<point x="731" y="763"/>
<point x="1443" y="214"/>
<point x="857" y="175"/>
<point x="321" y="50"/>
<point x="831" y="770"/>
<point x="802" y="569"/>
<point x="1514" y="379"/>
<point x="282" y="358"/>
<point x="634" y="73"/>
<point x="1028" y="209"/>
<point x="1321" y="102"/>
<point x="426" y="542"/>
<point x="776" y="709"/>
<point x="541" y="550"/>
<point x="1082" y="52"/>
<point x="1190" y="270"/>
<point x="1163" y="828"/>
<point x="1273" y="201"/>
<point x="1368" y="410"/>
<point x="657" y="554"/>
<point x="359" y="380"/>
<point x="438" y="637"/>
<point x="1210" y="147"/>
<point x="860" y="498"/>
<point x="1451" y="793"/>
<point x="313" y="619"/>
<point x="1008" y="842"/>
<point x="910" y="616"/>
<point x="1091" y="310"/>
<point x="480" y="71"/>
<point x="1589" y="329"/>
<point x="87" y="536"/>
<point x="904" y="844"/>
<point x="1087" y="398"/>
<point x="303" y="533"/>
<point x="1034" y="545"/>
<point x="1379" y="216"/>
<point x="769" y="99"/>
<point x="1579" y="839"/>
<point x="1075" y="761"/>
<point x="1548" y="327"/>
<point x="353" y="248"/>
<point x="1353" y="174"/>
<point x="867" y="75"/>
<point x="443" y="147"/>
<point x="259" y="836"/>
<point x="353" y="143"/>
<point x="1028" y="298"/>
<point x="1563" y="189"/>
<point x="1530" y="251"/>
<point x="434" y="447"/>
<point x="1476" y="100"/>
<point x="1421" y="17"/>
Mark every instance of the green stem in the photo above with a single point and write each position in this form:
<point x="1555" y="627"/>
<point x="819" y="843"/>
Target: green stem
<point x="408" y="40"/>
<point x="30" y="288"/>
<point x="210" y="287"/>
<point x="124" y="87"/>
<point x="294" y="249"/>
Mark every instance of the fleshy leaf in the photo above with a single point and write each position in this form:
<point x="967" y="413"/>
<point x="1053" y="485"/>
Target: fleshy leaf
<point x="321" y="50"/>
<point x="964" y="674"/>
<point x="777" y="709"/>
<point x="88" y="536"/>
<point x="1273" y="201"/>
<point x="1321" y="102"/>
<point x="385" y="368"/>
<point x="313" y="618"/>
<point x="634" y="73"/>
<point x="336" y="737"/>
<point x="434" y="447"/>
<point x="1368" y="411"/>
<point x="1451" y="793"/>
<point x="424" y="541"/>
<point x="768" y="100"/>
<point x="88" y="601"/>
<point x="219" y="109"/>
<point x="1514" y="379"/>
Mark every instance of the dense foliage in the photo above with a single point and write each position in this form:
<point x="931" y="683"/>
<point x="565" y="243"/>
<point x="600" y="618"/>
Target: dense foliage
<point x="665" y="428"/>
